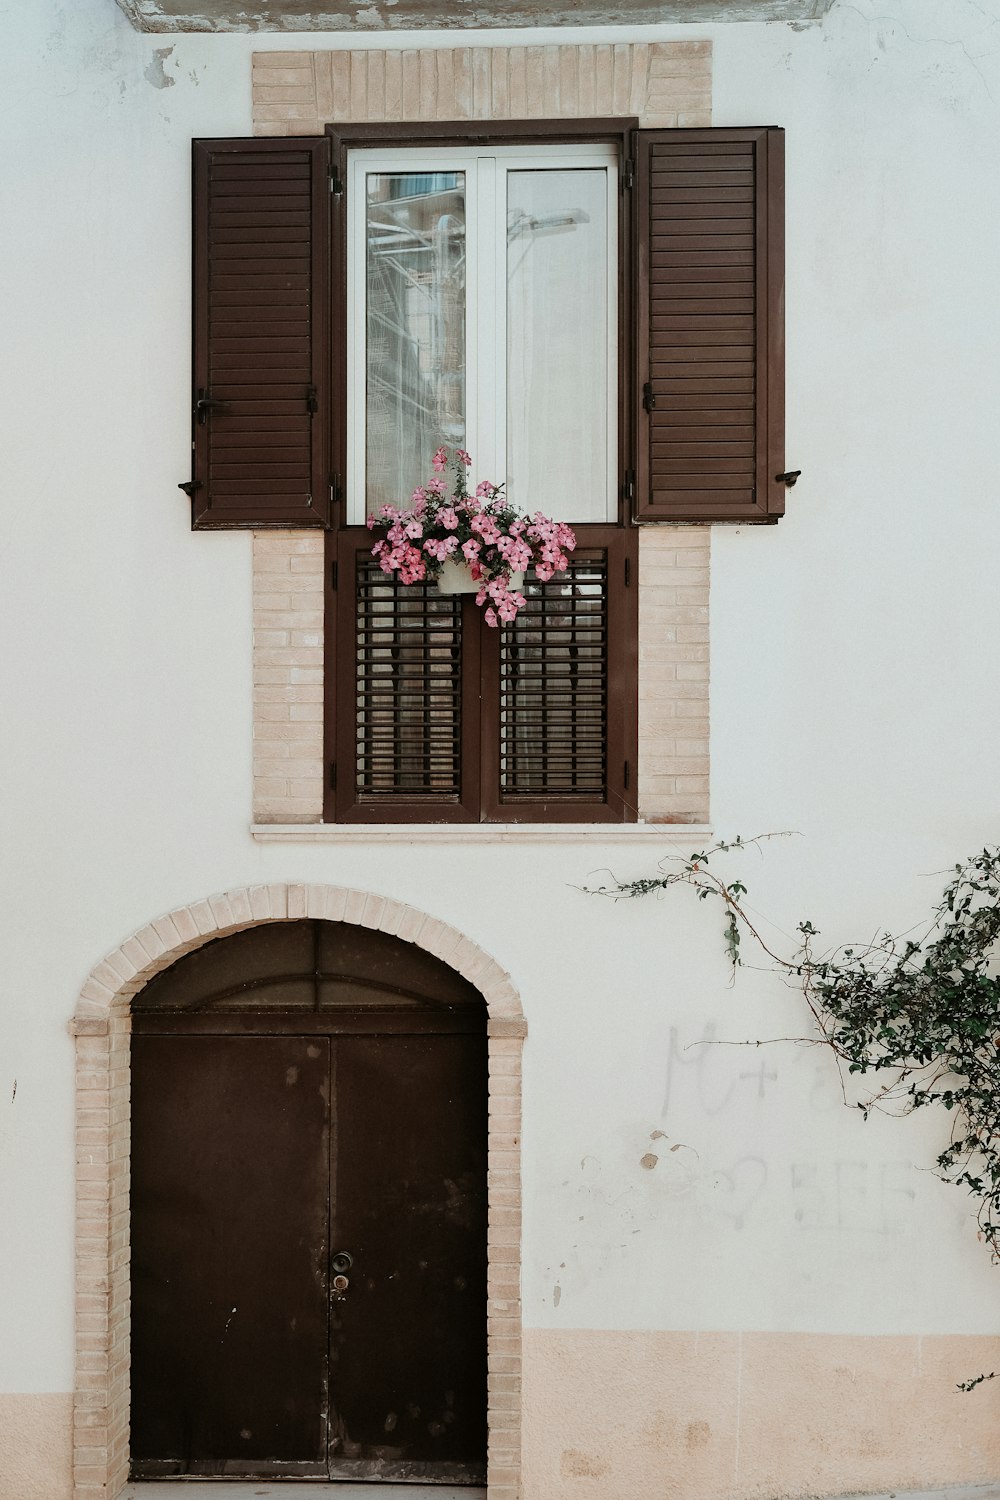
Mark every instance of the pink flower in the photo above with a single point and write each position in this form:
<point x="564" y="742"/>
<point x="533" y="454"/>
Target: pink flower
<point x="484" y="489"/>
<point x="447" y="517"/>
<point x="440" y="460"/>
<point x="436" y="486"/>
<point x="490" y="617"/>
<point x="470" y="550"/>
<point x="466" y="460"/>
<point x="485" y="526"/>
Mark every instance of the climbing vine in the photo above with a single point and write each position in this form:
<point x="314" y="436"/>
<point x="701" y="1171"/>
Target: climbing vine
<point x="919" y="1014"/>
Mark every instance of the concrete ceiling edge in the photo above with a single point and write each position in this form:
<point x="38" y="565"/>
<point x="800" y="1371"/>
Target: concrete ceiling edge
<point x="376" y="18"/>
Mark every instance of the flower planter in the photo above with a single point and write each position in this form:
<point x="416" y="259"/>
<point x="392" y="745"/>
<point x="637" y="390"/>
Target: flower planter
<point x="455" y="578"/>
<point x="438" y="535"/>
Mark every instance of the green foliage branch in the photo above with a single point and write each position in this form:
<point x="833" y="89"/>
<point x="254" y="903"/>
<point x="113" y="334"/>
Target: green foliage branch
<point x="919" y="1014"/>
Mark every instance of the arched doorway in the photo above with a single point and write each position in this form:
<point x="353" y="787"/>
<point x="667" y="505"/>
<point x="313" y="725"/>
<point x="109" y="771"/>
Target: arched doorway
<point x="309" y="1116"/>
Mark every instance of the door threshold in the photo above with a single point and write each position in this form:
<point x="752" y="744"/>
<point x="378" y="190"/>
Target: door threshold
<point x="306" y="1489"/>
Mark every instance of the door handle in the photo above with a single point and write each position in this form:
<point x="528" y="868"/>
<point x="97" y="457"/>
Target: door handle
<point x="341" y="1261"/>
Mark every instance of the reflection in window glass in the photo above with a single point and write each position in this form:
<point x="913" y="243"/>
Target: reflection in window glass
<point x="557" y="342"/>
<point x="416" y="326"/>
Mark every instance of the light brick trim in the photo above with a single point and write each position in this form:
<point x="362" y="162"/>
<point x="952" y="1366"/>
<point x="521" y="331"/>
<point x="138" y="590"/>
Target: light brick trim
<point x="101" y="1025"/>
<point x="288" y="602"/>
<point x="299" y="93"/>
<point x="672" y="784"/>
<point x="663" y="83"/>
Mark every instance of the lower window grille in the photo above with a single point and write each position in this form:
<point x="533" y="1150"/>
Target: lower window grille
<point x="554" y="686"/>
<point x="409" y="672"/>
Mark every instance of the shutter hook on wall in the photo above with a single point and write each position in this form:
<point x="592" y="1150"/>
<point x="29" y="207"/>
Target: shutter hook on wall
<point x="204" y="404"/>
<point x="789" y="478"/>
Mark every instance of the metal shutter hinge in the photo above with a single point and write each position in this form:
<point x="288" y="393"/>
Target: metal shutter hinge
<point x="628" y="174"/>
<point x="335" y="491"/>
<point x="625" y="776"/>
<point x="333" y="775"/>
<point x="629" y="484"/>
<point x="333" y="575"/>
<point x="648" y="398"/>
<point x="336" y="186"/>
<point x="312" y="400"/>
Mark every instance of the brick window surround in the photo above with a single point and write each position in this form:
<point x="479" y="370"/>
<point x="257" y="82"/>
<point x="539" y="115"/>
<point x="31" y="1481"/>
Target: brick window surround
<point x="299" y="93"/>
<point x="102" y="1026"/>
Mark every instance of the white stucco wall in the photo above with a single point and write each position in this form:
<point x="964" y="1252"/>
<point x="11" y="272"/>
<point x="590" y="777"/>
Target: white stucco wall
<point x="853" y="687"/>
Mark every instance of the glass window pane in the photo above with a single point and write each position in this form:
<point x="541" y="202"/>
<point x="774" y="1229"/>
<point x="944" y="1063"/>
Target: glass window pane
<point x="416" y="327"/>
<point x="557" y="343"/>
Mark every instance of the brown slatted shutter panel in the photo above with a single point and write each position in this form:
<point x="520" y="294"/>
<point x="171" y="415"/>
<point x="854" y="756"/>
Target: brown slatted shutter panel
<point x="404" y="721"/>
<point x="558" y="719"/>
<point x="261" y="333"/>
<point x="710" y="336"/>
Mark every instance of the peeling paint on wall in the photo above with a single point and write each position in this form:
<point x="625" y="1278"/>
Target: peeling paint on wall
<point x="155" y="72"/>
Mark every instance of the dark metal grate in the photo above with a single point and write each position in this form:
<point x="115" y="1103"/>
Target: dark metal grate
<point x="554" y="686"/>
<point x="409" y="675"/>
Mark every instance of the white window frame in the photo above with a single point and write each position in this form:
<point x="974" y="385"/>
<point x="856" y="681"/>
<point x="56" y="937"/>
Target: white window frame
<point x="485" y="169"/>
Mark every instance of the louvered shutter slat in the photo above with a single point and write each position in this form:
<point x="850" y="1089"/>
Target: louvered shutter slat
<point x="710" y="325"/>
<point x="408" y="689"/>
<point x="261" y="318"/>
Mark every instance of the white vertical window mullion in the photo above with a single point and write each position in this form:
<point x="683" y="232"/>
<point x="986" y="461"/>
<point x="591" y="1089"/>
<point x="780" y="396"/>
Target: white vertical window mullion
<point x="487" y="457"/>
<point x="473" y="297"/>
<point x="499" y="371"/>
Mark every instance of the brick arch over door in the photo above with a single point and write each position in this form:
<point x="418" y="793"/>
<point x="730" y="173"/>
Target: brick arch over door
<point x="102" y="1025"/>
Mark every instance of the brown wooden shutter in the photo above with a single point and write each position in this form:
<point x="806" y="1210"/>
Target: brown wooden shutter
<point x="710" y="336"/>
<point x="261" y="333"/>
<point x="559" y="692"/>
<point x="404" y="720"/>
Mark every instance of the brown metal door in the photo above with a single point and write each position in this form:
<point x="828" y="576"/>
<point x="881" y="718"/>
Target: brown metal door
<point x="249" y="1358"/>
<point x="230" y="1256"/>
<point x="408" y="1205"/>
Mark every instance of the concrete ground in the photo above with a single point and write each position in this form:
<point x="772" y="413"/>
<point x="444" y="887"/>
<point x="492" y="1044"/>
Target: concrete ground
<point x="307" y="1490"/>
<point x="250" y="1489"/>
<point x="989" y="1491"/>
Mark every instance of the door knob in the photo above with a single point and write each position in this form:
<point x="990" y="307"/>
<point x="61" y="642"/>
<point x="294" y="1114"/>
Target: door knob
<point x="340" y="1283"/>
<point x="342" y="1261"/>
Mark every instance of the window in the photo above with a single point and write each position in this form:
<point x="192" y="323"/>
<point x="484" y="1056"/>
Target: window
<point x="482" y="309"/>
<point x="594" y="311"/>
<point x="482" y="312"/>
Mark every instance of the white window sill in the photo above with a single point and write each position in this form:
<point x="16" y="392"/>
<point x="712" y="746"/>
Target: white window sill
<point x="479" y="833"/>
